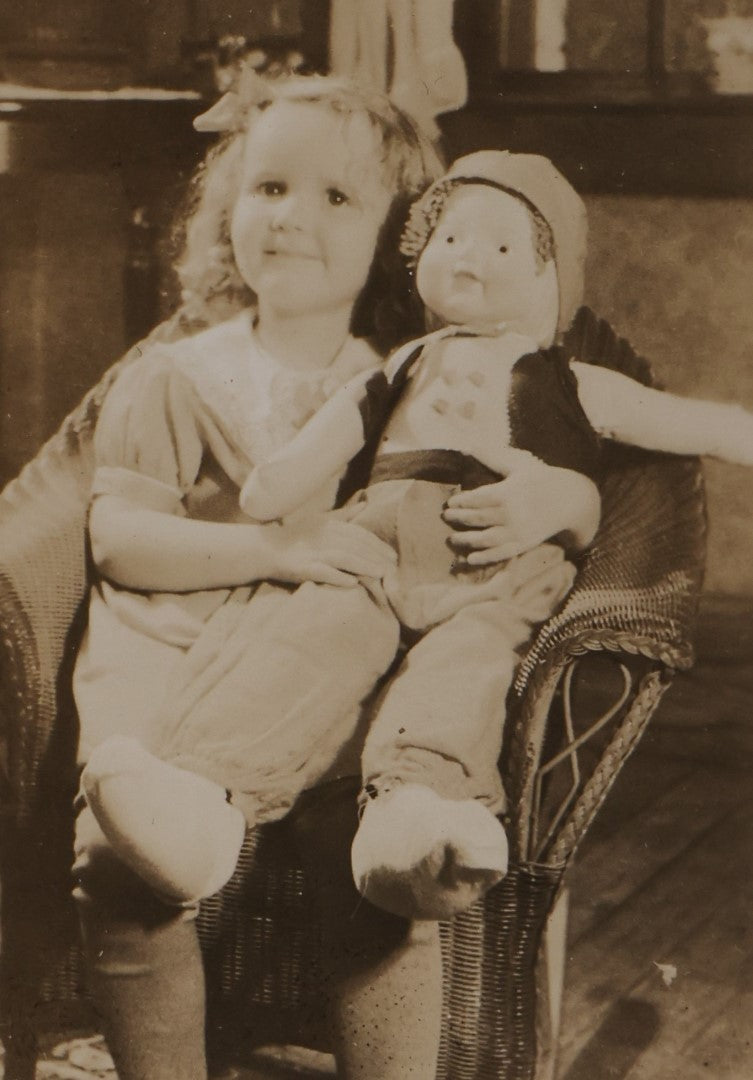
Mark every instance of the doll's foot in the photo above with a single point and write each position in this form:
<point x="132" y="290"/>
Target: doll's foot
<point x="422" y="856"/>
<point x="173" y="828"/>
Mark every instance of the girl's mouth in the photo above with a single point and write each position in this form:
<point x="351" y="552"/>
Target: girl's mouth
<point x="281" y="251"/>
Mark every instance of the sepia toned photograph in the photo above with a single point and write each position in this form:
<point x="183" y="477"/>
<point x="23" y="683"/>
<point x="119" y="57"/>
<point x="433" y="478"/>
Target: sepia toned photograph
<point x="376" y="539"/>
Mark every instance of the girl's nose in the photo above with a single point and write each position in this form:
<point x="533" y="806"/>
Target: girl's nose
<point x="288" y="213"/>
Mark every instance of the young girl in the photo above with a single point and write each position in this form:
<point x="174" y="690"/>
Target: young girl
<point x="296" y="200"/>
<point x="499" y="247"/>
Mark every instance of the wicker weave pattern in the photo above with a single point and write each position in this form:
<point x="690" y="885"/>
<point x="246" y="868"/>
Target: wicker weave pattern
<point x="636" y="594"/>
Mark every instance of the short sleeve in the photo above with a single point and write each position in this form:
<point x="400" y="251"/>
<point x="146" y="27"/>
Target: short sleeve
<point x="147" y="442"/>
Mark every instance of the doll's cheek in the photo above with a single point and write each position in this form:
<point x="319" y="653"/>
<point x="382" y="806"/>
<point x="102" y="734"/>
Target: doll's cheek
<point x="430" y="281"/>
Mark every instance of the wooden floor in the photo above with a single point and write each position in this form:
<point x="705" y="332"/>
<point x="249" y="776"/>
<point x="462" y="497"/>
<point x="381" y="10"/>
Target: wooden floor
<point x="659" y="982"/>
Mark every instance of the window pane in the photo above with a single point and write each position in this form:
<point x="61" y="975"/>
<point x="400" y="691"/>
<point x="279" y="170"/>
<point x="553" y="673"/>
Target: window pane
<point x="581" y="35"/>
<point x="606" y="36"/>
<point x="714" y="38"/>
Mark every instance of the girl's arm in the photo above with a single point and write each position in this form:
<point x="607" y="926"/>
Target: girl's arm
<point x="622" y="409"/>
<point x="534" y="503"/>
<point x="151" y="550"/>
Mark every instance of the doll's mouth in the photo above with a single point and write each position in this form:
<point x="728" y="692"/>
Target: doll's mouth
<point x="465" y="276"/>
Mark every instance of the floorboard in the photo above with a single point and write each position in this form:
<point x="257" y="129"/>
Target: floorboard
<point x="659" y="980"/>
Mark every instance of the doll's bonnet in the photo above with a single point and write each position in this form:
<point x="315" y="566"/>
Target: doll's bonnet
<point x="532" y="178"/>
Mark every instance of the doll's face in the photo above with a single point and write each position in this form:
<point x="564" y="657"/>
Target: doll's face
<point x="480" y="266"/>
<point x="313" y="199"/>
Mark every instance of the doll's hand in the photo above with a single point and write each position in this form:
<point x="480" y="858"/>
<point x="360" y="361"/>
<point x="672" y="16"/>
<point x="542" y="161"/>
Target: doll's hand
<point x="534" y="503"/>
<point x="322" y="548"/>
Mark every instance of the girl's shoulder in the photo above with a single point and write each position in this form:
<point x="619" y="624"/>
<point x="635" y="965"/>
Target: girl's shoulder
<point x="155" y="367"/>
<point x="232" y="339"/>
<point x="225" y="344"/>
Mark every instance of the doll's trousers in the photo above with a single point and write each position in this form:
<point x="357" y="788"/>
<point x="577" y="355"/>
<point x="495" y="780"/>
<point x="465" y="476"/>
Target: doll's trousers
<point x="381" y="974"/>
<point x="440" y="718"/>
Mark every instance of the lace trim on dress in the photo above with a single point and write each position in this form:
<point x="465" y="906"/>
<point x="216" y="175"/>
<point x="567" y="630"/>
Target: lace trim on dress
<point x="260" y="402"/>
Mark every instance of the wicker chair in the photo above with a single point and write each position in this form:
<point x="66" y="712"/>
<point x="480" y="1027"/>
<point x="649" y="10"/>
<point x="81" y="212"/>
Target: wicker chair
<point x="626" y="623"/>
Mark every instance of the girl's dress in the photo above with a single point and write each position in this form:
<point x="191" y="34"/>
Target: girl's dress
<point x="178" y="433"/>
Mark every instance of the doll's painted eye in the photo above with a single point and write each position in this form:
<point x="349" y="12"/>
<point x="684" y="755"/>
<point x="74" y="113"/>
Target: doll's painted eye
<point x="503" y="249"/>
<point x="450" y="240"/>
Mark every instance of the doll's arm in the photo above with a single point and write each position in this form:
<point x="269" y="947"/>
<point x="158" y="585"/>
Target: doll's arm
<point x="320" y="450"/>
<point x="622" y="409"/>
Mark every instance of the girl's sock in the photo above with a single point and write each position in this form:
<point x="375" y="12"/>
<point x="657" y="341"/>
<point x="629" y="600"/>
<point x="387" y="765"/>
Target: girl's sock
<point x="148" y="983"/>
<point x="423" y="856"/>
<point x="173" y="828"/>
<point x="388" y="1017"/>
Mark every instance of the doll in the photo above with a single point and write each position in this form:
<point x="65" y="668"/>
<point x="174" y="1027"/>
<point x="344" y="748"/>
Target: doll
<point x="498" y="247"/>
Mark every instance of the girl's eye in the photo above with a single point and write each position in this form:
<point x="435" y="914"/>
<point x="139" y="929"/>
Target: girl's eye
<point x="271" y="188"/>
<point x="336" y="197"/>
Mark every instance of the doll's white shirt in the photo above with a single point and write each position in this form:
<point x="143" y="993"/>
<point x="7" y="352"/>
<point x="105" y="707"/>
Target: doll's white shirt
<point x="457" y="396"/>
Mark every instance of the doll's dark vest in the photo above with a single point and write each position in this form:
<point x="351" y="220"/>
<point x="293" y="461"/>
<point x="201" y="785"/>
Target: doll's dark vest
<point x="544" y="413"/>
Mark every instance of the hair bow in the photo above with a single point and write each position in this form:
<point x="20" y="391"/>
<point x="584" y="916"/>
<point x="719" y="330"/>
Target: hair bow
<point x="230" y="111"/>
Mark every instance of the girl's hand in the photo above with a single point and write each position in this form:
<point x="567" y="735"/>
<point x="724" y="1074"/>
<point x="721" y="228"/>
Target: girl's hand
<point x="320" y="547"/>
<point x="534" y="503"/>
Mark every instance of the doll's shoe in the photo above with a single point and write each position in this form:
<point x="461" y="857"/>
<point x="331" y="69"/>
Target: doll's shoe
<point x="422" y="856"/>
<point x="175" y="829"/>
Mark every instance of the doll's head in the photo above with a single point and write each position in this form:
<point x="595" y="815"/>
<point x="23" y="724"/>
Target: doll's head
<point x="356" y="162"/>
<point x="501" y="238"/>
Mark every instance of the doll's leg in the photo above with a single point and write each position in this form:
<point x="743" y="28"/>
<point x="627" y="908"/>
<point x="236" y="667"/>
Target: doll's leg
<point x="382" y="974"/>
<point x="429" y="843"/>
<point x="265" y="713"/>
<point x="174" y="828"/>
<point x="144" y="966"/>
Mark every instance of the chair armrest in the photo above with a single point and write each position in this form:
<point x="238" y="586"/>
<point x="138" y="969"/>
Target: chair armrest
<point x="574" y="732"/>
<point x="42" y="584"/>
<point x="638" y="586"/>
<point x="635" y="599"/>
<point x="634" y="602"/>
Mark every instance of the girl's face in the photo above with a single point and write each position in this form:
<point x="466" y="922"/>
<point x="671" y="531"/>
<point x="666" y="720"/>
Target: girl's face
<point x="480" y="265"/>
<point x="305" y="225"/>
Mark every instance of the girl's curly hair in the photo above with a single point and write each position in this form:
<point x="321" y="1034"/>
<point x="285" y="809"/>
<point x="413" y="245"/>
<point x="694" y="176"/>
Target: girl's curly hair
<point x="388" y="310"/>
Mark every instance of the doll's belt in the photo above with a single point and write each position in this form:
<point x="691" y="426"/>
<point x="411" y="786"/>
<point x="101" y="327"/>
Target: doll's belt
<point x="438" y="466"/>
